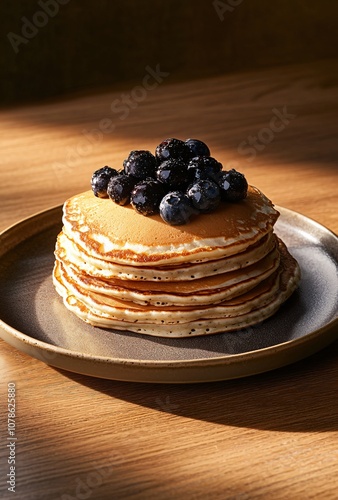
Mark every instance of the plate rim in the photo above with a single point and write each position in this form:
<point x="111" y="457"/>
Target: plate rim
<point x="165" y="363"/>
<point x="16" y="336"/>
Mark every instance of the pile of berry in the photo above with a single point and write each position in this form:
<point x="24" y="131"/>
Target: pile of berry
<point x="179" y="181"/>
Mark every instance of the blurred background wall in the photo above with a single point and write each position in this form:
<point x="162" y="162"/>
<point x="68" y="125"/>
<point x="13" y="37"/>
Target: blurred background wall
<point x="53" y="47"/>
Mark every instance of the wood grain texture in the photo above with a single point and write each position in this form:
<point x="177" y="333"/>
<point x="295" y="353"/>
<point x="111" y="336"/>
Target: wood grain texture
<point x="268" y="436"/>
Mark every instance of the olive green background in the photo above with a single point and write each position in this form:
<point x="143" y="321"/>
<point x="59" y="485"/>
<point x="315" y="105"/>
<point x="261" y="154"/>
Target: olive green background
<point x="91" y="44"/>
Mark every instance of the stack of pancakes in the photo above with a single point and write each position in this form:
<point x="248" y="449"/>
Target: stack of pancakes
<point x="222" y="271"/>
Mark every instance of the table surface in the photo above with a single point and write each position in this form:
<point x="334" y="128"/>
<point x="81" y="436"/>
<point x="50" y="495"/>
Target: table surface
<point x="273" y="435"/>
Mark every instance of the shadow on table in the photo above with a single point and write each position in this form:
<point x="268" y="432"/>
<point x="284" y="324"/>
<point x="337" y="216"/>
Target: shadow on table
<point x="298" y="398"/>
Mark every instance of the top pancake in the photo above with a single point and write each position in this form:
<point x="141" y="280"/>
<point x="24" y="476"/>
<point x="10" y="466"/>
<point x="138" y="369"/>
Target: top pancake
<point x="119" y="234"/>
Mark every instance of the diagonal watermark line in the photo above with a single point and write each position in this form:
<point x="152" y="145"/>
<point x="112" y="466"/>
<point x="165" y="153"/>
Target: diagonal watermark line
<point x="31" y="27"/>
<point x="121" y="109"/>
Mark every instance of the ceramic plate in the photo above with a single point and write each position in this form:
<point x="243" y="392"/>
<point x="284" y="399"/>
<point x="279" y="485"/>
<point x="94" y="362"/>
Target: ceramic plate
<point x="34" y="320"/>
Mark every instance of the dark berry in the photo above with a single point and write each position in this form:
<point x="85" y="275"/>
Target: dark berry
<point x="176" y="209"/>
<point x="146" y="196"/>
<point x="120" y="188"/>
<point x="197" y="148"/>
<point x="205" y="195"/>
<point x="172" y="149"/>
<point x="233" y="184"/>
<point x="140" y="164"/>
<point x="173" y="174"/>
<point x="203" y="167"/>
<point x="100" y="180"/>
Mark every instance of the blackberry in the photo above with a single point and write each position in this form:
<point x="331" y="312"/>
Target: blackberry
<point x="197" y="148"/>
<point x="170" y="149"/>
<point x="100" y="180"/>
<point x="204" y="167"/>
<point x="176" y="209"/>
<point x="233" y="184"/>
<point x="146" y="196"/>
<point x="205" y="195"/>
<point x="119" y="189"/>
<point x="140" y="164"/>
<point x="173" y="173"/>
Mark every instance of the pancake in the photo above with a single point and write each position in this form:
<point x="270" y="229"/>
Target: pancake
<point x="115" y="268"/>
<point x="211" y="289"/>
<point x="114" y="233"/>
<point x="68" y="250"/>
<point x="254" y="306"/>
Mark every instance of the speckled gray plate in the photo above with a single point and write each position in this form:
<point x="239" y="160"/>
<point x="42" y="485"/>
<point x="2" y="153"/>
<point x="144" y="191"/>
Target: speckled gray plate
<point x="34" y="320"/>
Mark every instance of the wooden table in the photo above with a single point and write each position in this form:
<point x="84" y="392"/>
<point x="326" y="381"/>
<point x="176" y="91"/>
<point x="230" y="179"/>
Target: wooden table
<point x="269" y="436"/>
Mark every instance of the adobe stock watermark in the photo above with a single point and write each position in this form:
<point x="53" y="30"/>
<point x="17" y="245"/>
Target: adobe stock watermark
<point x="139" y="93"/>
<point x="85" y="487"/>
<point x="11" y="444"/>
<point x="237" y="340"/>
<point x="166" y="405"/>
<point x="256" y="143"/>
<point x="121" y="109"/>
<point x="30" y="27"/>
<point x="221" y="8"/>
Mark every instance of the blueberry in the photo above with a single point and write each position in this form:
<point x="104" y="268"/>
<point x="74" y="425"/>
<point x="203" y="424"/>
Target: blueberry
<point x="197" y="148"/>
<point x="176" y="209"/>
<point x="203" y="167"/>
<point x="119" y="189"/>
<point x="140" y="164"/>
<point x="173" y="174"/>
<point x="100" y="180"/>
<point x="233" y="184"/>
<point x="205" y="195"/>
<point x="146" y="196"/>
<point x="172" y="149"/>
